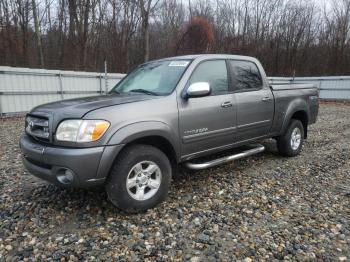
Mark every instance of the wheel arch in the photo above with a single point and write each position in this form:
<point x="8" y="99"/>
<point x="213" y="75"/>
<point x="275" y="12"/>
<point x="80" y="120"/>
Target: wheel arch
<point x="157" y="141"/>
<point x="302" y="116"/>
<point x="154" y="133"/>
<point x="298" y="110"/>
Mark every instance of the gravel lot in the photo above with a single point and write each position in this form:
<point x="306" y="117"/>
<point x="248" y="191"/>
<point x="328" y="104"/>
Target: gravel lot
<point x="265" y="207"/>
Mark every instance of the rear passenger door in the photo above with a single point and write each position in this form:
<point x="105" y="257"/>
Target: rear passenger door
<point x="254" y="100"/>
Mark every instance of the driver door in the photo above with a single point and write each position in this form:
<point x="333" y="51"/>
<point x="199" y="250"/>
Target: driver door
<point x="208" y="122"/>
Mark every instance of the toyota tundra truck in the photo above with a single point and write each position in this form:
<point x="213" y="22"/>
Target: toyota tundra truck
<point x="165" y="113"/>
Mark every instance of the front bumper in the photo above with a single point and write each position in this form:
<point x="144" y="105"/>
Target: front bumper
<point x="76" y="167"/>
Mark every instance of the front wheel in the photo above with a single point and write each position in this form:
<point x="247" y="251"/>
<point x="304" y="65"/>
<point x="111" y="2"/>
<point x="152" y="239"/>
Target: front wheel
<point x="291" y="143"/>
<point x="139" y="179"/>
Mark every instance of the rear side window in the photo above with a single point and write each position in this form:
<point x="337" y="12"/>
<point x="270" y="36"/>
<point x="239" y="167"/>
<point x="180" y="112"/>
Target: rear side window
<point x="213" y="72"/>
<point x="245" y="75"/>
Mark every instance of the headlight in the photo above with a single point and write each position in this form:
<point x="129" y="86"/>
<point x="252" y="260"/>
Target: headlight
<point x="81" y="130"/>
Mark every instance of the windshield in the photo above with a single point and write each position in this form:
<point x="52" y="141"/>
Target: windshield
<point x="154" y="78"/>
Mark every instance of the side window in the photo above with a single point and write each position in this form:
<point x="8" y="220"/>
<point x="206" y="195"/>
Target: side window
<point x="213" y="72"/>
<point x="246" y="75"/>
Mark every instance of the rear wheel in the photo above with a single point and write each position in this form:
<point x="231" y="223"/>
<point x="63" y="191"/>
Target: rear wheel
<point x="291" y="143"/>
<point x="139" y="179"/>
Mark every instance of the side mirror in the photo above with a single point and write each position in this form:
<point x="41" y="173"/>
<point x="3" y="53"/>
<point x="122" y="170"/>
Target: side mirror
<point x="198" y="89"/>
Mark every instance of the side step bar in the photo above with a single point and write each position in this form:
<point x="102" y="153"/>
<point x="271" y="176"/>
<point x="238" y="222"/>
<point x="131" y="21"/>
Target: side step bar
<point x="215" y="162"/>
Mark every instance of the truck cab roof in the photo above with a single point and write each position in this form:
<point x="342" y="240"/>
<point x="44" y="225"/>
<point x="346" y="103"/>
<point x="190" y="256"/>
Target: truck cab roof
<point x="208" y="56"/>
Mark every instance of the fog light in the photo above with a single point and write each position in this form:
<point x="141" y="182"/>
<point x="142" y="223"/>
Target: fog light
<point x="65" y="176"/>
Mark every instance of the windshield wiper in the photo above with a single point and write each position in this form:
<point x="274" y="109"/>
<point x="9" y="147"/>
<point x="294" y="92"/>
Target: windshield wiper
<point x="115" y="92"/>
<point x="144" y="91"/>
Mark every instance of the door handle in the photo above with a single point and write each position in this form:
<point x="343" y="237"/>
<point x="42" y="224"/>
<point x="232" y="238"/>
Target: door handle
<point x="226" y="104"/>
<point x="266" y="99"/>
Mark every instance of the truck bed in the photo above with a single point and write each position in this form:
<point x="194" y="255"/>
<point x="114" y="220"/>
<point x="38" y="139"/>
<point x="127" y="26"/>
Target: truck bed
<point x="288" y="86"/>
<point x="289" y="96"/>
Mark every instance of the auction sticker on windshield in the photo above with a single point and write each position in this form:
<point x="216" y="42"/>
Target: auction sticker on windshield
<point x="179" y="63"/>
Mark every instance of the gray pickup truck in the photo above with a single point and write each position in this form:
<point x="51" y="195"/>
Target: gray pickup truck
<point x="165" y="112"/>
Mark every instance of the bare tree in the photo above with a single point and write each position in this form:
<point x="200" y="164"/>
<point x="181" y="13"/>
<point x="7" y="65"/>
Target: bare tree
<point x="286" y="35"/>
<point x="37" y="34"/>
<point x="146" y="7"/>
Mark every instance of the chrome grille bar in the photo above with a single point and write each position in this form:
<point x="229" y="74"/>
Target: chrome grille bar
<point x="38" y="127"/>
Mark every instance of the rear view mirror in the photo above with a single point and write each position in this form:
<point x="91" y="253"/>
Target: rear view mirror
<point x="198" y="89"/>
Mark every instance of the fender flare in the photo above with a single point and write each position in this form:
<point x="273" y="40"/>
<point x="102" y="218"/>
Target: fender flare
<point x="134" y="131"/>
<point x="295" y="106"/>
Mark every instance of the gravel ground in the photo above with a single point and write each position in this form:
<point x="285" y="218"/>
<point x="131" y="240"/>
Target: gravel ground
<point x="261" y="208"/>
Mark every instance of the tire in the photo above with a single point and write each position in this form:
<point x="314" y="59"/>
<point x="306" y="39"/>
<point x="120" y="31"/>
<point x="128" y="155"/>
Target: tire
<point x="132" y="166"/>
<point x="288" y="144"/>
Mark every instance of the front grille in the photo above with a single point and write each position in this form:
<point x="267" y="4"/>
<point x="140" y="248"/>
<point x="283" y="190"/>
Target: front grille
<point x="38" y="127"/>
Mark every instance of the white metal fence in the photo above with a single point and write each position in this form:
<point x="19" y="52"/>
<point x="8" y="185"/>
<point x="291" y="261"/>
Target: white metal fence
<point x="331" y="87"/>
<point x="22" y="89"/>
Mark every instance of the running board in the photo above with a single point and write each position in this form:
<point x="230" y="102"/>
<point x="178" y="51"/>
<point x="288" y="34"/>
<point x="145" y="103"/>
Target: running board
<point x="215" y="162"/>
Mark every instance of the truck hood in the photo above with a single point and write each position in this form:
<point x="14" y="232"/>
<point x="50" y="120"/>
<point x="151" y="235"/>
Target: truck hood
<point x="77" y="108"/>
